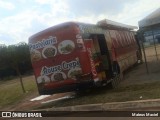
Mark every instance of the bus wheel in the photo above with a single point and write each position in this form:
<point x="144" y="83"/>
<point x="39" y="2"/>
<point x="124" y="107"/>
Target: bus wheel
<point x="116" y="68"/>
<point x="117" y="76"/>
<point x="114" y="82"/>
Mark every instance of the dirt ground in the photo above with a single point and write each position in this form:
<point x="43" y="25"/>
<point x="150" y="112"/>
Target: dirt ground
<point x="26" y="104"/>
<point x="139" y="75"/>
<point x="135" y="75"/>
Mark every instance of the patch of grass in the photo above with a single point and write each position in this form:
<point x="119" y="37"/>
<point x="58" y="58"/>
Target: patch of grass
<point x="9" y="78"/>
<point x="103" y="95"/>
<point x="11" y="91"/>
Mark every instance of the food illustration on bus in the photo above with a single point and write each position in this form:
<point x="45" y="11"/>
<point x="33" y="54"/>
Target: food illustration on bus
<point x="66" y="46"/>
<point x="58" y="76"/>
<point x="49" y="51"/>
<point x="35" y="55"/>
<point x="43" y="79"/>
<point x="73" y="72"/>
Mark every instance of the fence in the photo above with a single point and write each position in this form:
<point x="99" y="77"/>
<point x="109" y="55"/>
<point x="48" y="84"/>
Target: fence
<point x="151" y="52"/>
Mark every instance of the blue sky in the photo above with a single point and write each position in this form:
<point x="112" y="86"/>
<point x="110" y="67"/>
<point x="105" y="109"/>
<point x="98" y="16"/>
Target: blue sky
<point x="23" y="18"/>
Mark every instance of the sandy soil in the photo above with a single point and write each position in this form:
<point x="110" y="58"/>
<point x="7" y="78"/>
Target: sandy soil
<point x="26" y="104"/>
<point x="135" y="75"/>
<point x="138" y="74"/>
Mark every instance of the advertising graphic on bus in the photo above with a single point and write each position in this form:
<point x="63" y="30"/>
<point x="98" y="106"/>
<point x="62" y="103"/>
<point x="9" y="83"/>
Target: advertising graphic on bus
<point x="75" y="56"/>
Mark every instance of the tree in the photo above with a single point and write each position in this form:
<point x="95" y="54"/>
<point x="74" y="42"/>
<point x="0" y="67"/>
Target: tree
<point x="14" y="56"/>
<point x="3" y="53"/>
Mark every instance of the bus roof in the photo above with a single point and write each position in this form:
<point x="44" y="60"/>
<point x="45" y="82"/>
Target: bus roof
<point x="84" y="28"/>
<point x="115" y="25"/>
<point x="98" y="28"/>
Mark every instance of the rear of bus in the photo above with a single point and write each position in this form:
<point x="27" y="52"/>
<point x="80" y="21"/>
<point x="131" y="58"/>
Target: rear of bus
<point x="59" y="59"/>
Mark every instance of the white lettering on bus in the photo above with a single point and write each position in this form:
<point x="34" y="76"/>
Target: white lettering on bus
<point x="64" y="66"/>
<point x="94" y="72"/>
<point x="45" y="42"/>
<point x="70" y="65"/>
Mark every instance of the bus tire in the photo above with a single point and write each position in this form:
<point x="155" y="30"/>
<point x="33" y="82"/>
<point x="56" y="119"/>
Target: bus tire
<point x="116" y="68"/>
<point x="115" y="81"/>
<point x="117" y="75"/>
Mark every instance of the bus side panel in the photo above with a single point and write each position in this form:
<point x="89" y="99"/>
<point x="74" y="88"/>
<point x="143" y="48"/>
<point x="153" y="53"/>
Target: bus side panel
<point x="109" y="45"/>
<point x="124" y="48"/>
<point x="113" y="45"/>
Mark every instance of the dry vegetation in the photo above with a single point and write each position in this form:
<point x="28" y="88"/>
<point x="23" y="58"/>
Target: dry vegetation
<point x="136" y="83"/>
<point x="11" y="92"/>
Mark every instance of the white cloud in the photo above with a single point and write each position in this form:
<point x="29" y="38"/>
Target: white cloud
<point x="43" y="1"/>
<point x="47" y="13"/>
<point x="22" y="25"/>
<point x="130" y="13"/>
<point x="6" y="5"/>
<point x="16" y="26"/>
<point x="134" y="12"/>
<point x="58" y="11"/>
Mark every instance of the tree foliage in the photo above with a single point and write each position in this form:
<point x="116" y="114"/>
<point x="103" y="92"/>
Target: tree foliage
<point x="15" y="57"/>
<point x="14" y="60"/>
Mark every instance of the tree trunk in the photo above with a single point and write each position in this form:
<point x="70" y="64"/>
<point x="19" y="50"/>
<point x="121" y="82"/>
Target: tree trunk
<point x="20" y="78"/>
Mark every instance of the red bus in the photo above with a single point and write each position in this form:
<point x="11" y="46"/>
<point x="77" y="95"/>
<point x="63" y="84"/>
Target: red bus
<point x="75" y="56"/>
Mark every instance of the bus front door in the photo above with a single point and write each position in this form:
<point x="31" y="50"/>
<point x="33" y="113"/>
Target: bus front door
<point x="103" y="66"/>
